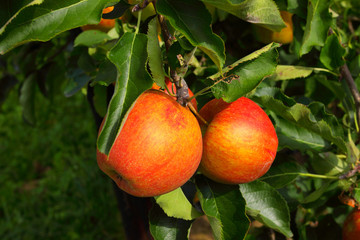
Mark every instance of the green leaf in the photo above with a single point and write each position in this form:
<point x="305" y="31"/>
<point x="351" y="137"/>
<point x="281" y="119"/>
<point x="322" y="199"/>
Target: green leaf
<point x="129" y="56"/>
<point x="249" y="57"/>
<point x="27" y="99"/>
<point x="288" y="72"/>
<point x="91" y="38"/>
<point x="328" y="163"/>
<point x="357" y="194"/>
<point x="281" y="175"/>
<point x="332" y="54"/>
<point x="175" y="204"/>
<point x="225" y="208"/>
<point x="107" y="73"/>
<point x="268" y="206"/>
<point x="154" y="53"/>
<point x="245" y="76"/>
<point x="263" y="12"/>
<point x="77" y="80"/>
<point x="163" y="227"/>
<point x="100" y="99"/>
<point x="298" y="138"/>
<point x="325" y="186"/>
<point x="10" y="9"/>
<point x="312" y="117"/>
<point x="317" y="25"/>
<point x="193" y="20"/>
<point x="43" y="20"/>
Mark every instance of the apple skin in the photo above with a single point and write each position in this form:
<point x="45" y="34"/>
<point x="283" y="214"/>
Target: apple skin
<point x="172" y="89"/>
<point x="240" y="142"/>
<point x="351" y="228"/>
<point x="158" y="147"/>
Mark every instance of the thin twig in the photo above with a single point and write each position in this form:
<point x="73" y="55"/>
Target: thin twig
<point x="351" y="173"/>
<point x="345" y="72"/>
<point x="182" y="91"/>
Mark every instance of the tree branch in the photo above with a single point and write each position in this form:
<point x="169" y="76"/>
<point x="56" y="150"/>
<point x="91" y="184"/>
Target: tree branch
<point x="345" y="73"/>
<point x="182" y="90"/>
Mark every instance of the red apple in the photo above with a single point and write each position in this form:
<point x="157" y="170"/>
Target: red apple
<point x="240" y="142"/>
<point x="351" y="228"/>
<point x="172" y="89"/>
<point x="157" y="149"/>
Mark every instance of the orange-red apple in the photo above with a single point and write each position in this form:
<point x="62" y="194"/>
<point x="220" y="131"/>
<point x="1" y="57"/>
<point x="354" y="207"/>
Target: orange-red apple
<point x="240" y="142"/>
<point x="172" y="89"/>
<point x="351" y="228"/>
<point x="157" y="149"/>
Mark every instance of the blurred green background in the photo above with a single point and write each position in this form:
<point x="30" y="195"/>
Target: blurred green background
<point x="50" y="184"/>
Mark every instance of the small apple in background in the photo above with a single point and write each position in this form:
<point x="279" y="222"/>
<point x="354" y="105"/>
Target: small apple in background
<point x="240" y="142"/>
<point x="105" y="24"/>
<point x="351" y="228"/>
<point x="285" y="36"/>
<point x="172" y="89"/>
<point x="157" y="149"/>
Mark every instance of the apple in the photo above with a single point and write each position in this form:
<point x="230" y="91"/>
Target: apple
<point x="240" y="141"/>
<point x="105" y="24"/>
<point x="157" y="149"/>
<point x="285" y="36"/>
<point x="351" y="228"/>
<point x="172" y="89"/>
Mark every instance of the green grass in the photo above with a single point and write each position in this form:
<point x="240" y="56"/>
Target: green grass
<point x="50" y="184"/>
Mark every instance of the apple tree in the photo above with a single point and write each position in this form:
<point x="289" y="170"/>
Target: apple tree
<point x="296" y="59"/>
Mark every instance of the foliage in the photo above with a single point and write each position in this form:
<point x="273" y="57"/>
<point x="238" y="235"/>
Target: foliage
<point x="50" y="180"/>
<point x="308" y="88"/>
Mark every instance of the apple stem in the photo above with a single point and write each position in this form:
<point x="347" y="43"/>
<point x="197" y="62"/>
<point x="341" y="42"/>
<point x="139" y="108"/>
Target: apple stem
<point x="197" y="114"/>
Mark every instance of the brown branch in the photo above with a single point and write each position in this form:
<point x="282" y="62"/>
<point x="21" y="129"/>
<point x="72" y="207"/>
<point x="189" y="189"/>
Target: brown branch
<point x="165" y="32"/>
<point x="182" y="90"/>
<point x="351" y="173"/>
<point x="345" y="72"/>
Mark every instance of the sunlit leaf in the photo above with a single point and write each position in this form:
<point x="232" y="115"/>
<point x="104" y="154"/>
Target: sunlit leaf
<point x="43" y="20"/>
<point x="163" y="227"/>
<point x="288" y="72"/>
<point x="91" y="38"/>
<point x="263" y="12"/>
<point x="129" y="56"/>
<point x="245" y="76"/>
<point x="175" y="204"/>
